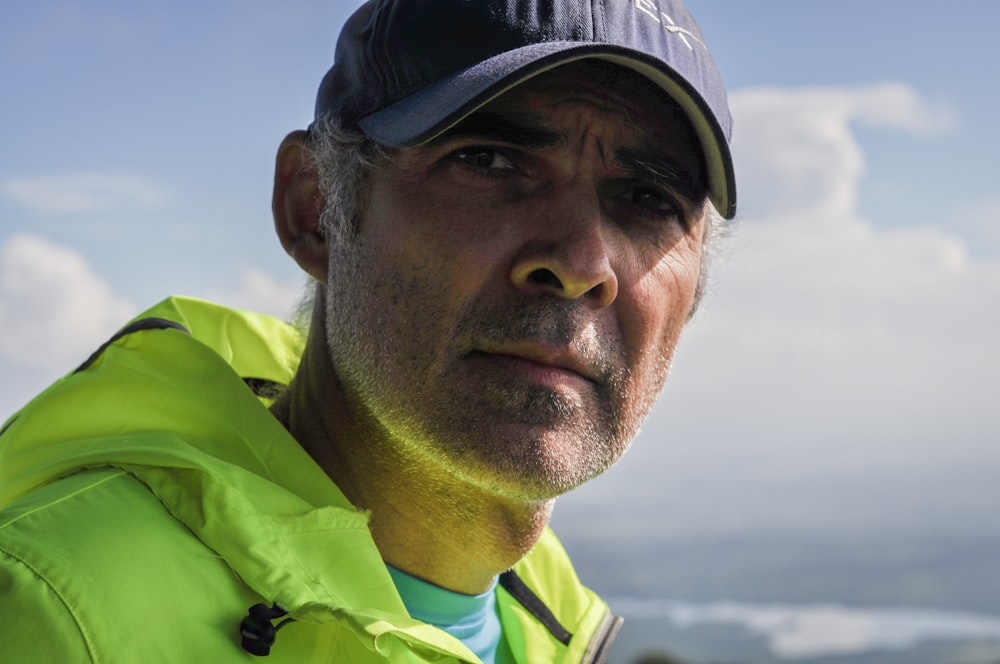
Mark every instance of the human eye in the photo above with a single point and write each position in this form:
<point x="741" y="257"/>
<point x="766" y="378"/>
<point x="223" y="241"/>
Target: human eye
<point x="487" y="160"/>
<point x="650" y="201"/>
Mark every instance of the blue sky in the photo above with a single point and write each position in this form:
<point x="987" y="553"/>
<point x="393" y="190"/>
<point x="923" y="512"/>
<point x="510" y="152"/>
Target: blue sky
<point x="841" y="374"/>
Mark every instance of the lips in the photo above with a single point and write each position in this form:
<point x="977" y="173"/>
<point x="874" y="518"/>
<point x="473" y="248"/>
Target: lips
<point x="541" y="361"/>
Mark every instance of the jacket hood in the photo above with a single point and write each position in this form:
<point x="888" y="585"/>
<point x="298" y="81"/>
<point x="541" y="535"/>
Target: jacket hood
<point x="167" y="400"/>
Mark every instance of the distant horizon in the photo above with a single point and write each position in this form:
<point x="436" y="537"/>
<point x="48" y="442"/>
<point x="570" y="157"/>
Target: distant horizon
<point x="796" y="632"/>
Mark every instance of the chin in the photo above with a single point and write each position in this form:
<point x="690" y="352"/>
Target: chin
<point x="541" y="468"/>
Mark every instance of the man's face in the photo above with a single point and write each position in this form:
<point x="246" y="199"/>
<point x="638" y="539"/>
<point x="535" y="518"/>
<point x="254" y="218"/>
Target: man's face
<point x="509" y="307"/>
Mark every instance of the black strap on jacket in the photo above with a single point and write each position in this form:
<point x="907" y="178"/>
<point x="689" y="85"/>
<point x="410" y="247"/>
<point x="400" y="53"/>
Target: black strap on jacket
<point x="513" y="584"/>
<point x="137" y="326"/>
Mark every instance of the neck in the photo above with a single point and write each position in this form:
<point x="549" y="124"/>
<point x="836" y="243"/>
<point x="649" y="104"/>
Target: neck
<point x="424" y="520"/>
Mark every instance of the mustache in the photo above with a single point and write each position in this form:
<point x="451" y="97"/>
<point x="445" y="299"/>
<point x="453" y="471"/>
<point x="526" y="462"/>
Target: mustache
<point x="550" y="321"/>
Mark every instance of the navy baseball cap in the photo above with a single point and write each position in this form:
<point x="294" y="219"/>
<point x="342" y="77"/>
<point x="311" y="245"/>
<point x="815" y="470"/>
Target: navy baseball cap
<point x="407" y="70"/>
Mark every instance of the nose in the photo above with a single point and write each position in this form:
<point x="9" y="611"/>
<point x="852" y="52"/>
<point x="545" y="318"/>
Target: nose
<point x="567" y="254"/>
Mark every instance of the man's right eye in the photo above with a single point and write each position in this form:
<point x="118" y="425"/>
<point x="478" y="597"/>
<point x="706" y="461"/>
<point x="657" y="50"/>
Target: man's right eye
<point x="484" y="158"/>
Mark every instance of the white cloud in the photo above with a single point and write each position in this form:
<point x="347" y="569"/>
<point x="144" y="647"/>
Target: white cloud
<point x="819" y="306"/>
<point x="54" y="310"/>
<point x="795" y="150"/>
<point x="83" y="192"/>
<point x="259" y="291"/>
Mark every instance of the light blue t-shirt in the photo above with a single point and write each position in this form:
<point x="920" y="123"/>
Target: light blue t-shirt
<point x="472" y="619"/>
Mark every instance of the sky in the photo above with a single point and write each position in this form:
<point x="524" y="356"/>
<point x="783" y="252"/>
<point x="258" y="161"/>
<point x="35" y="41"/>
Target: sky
<point x="840" y="374"/>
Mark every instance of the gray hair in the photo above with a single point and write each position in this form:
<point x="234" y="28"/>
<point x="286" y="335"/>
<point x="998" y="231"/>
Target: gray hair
<point x="716" y="229"/>
<point x="345" y="160"/>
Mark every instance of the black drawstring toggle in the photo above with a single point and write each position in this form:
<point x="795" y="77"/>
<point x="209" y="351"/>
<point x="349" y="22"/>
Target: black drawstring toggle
<point x="257" y="630"/>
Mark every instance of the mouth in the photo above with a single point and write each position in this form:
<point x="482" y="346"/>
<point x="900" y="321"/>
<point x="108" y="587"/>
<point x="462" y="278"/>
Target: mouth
<point x="540" y="365"/>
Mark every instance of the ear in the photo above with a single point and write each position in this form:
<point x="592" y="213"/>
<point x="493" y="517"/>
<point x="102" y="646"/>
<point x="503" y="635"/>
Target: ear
<point x="297" y="204"/>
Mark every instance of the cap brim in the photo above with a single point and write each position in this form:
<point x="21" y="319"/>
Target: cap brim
<point x="437" y="107"/>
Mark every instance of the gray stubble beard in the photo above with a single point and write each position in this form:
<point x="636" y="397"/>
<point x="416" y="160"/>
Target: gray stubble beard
<point x="463" y="431"/>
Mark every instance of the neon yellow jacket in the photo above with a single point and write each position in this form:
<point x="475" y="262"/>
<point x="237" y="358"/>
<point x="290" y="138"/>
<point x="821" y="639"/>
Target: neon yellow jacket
<point x="149" y="499"/>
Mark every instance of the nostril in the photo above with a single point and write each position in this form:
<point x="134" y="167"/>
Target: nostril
<point x="545" y="277"/>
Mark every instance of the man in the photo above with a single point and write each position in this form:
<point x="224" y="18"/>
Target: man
<point x="504" y="207"/>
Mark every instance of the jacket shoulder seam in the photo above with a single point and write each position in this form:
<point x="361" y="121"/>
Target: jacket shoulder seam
<point x="62" y="499"/>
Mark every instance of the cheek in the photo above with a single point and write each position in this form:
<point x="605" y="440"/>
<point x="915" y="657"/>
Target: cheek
<point x="423" y="280"/>
<point x="658" y="304"/>
<point x="461" y="243"/>
<point x="650" y="331"/>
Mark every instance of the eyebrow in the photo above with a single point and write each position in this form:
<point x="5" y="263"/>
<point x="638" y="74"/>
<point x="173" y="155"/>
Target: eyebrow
<point x="526" y="132"/>
<point x="662" y="169"/>
<point x="504" y="128"/>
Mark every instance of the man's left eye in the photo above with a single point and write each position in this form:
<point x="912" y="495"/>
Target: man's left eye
<point x="651" y="200"/>
<point x="485" y="159"/>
